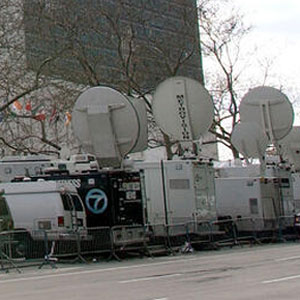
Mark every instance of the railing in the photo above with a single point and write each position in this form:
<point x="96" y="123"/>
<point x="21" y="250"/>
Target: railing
<point x="21" y="248"/>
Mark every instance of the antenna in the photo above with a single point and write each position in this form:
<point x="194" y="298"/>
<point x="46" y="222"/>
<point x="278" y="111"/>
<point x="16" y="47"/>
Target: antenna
<point x="109" y="125"/>
<point x="183" y="108"/>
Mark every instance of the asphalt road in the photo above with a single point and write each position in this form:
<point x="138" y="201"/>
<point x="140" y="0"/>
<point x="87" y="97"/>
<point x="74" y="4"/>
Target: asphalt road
<point x="261" y="272"/>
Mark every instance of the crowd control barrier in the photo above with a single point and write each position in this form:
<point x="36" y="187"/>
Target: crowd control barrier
<point x="20" y="248"/>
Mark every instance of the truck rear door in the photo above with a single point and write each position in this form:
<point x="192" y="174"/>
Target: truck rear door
<point x="74" y="215"/>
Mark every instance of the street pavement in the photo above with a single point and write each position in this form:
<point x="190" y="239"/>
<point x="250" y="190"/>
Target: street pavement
<point x="258" y="272"/>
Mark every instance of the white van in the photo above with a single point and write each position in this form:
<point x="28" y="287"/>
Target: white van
<point x="44" y="206"/>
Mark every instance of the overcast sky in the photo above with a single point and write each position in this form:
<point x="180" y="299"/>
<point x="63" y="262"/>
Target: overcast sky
<point x="276" y="30"/>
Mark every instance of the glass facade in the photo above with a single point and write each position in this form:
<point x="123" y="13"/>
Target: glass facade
<point x="128" y="44"/>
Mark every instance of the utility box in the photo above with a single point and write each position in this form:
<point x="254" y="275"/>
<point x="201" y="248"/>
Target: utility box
<point x="178" y="191"/>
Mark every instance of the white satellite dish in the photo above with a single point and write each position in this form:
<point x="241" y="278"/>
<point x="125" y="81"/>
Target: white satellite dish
<point x="269" y="108"/>
<point x="183" y="108"/>
<point x="290" y="147"/>
<point x="107" y="125"/>
<point x="250" y="140"/>
<point x="140" y="108"/>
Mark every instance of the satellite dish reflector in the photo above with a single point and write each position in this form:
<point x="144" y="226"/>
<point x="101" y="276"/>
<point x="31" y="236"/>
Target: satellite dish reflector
<point x="140" y="108"/>
<point x="250" y="140"/>
<point x="107" y="125"/>
<point x="269" y="108"/>
<point x="183" y="108"/>
<point x="290" y="147"/>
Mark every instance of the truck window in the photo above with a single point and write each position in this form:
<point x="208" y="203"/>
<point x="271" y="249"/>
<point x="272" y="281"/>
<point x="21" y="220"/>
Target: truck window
<point x="71" y="202"/>
<point x="77" y="203"/>
<point x="66" y="201"/>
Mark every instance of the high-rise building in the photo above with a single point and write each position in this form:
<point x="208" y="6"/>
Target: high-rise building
<point x="122" y="43"/>
<point x="131" y="45"/>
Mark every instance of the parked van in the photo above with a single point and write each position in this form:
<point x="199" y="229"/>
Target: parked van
<point x="43" y="206"/>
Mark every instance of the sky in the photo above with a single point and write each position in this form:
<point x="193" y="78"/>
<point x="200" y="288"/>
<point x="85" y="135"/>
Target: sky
<point x="276" y="32"/>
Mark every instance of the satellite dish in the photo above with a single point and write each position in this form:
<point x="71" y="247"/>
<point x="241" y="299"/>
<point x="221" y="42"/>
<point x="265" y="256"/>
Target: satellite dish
<point x="183" y="108"/>
<point x="140" y="108"/>
<point x="107" y="125"/>
<point x="290" y="147"/>
<point x="250" y="140"/>
<point x="269" y="108"/>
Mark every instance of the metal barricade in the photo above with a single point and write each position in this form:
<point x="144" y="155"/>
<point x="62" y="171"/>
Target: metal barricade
<point x="19" y="247"/>
<point x="98" y="241"/>
<point x="159" y="242"/>
<point x="74" y="245"/>
<point x="287" y="228"/>
<point x="125" y="239"/>
<point x="203" y="234"/>
<point x="11" y="249"/>
<point x="178" y="235"/>
<point x="61" y="243"/>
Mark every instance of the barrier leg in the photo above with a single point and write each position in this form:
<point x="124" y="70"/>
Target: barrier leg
<point x="79" y="257"/>
<point x="5" y="257"/>
<point x="168" y="244"/>
<point x="113" y="253"/>
<point x="48" y="259"/>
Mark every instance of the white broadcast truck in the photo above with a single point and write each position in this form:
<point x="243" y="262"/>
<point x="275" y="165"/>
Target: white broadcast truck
<point x="42" y="206"/>
<point x="178" y="191"/>
<point x="242" y="194"/>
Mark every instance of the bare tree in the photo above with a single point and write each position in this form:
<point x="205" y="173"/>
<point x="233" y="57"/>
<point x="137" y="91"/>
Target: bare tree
<point x="119" y="46"/>
<point x="32" y="105"/>
<point x="222" y="32"/>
